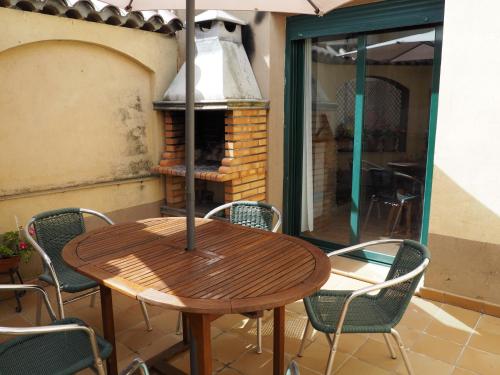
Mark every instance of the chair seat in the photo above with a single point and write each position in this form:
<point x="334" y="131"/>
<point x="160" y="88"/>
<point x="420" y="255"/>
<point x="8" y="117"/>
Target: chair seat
<point x="363" y="316"/>
<point x="71" y="281"/>
<point x="50" y="354"/>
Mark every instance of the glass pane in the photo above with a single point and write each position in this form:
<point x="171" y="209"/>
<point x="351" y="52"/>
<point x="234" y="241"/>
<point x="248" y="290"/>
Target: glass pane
<point x="395" y="129"/>
<point x="330" y="84"/>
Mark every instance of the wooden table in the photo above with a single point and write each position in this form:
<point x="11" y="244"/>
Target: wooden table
<point x="234" y="269"/>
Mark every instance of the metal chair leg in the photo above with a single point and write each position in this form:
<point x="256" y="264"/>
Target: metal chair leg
<point x="304" y="338"/>
<point x="259" y="335"/>
<point x="146" y="316"/>
<point x="178" y="329"/>
<point x="398" y="218"/>
<point x="387" y="339"/>
<point x="367" y="218"/>
<point x="38" y="316"/>
<point x="406" y="360"/>
<point x="331" y="356"/>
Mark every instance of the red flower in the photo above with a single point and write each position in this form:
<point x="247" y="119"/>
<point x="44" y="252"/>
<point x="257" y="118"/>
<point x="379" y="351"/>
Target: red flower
<point x="31" y="231"/>
<point x="23" y="245"/>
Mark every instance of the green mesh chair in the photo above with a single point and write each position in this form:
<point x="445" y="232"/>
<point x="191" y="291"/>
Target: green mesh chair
<point x="65" y="346"/>
<point x="53" y="230"/>
<point x="335" y="312"/>
<point x="251" y="214"/>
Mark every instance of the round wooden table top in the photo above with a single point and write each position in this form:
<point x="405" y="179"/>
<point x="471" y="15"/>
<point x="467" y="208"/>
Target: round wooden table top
<point x="233" y="269"/>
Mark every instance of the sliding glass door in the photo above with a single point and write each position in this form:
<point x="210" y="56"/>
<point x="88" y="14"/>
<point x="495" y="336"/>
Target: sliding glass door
<point x="328" y="139"/>
<point x="365" y="134"/>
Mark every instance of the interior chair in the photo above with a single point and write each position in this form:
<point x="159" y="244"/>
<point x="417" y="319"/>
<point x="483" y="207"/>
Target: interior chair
<point x="52" y="230"/>
<point x="254" y="215"/>
<point x="396" y="190"/>
<point x="66" y="346"/>
<point x="336" y="312"/>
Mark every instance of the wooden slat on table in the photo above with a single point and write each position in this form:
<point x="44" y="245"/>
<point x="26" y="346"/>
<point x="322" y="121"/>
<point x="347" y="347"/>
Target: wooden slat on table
<point x="230" y="262"/>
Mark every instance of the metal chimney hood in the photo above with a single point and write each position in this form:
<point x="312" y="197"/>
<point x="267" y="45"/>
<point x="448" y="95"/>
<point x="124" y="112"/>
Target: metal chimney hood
<point x="224" y="77"/>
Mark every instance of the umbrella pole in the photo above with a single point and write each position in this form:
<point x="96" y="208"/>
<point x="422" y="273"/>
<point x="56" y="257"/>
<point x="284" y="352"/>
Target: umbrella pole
<point x="190" y="77"/>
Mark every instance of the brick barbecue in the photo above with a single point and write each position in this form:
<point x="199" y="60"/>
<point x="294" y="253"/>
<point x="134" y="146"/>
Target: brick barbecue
<point x="231" y="122"/>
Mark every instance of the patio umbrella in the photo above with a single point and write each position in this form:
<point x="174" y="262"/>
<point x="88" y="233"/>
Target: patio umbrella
<point x="282" y="6"/>
<point x="319" y="7"/>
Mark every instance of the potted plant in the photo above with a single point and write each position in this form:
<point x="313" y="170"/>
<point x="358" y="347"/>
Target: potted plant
<point x="13" y="249"/>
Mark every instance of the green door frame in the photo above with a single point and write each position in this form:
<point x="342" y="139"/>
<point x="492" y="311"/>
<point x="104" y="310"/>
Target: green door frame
<point x="385" y="15"/>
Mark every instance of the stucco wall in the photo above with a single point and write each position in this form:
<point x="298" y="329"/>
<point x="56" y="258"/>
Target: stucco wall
<point x="77" y="125"/>
<point x="465" y="223"/>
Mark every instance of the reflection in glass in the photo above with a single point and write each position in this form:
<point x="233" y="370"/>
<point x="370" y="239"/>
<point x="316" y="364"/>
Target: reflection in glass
<point x="394" y="143"/>
<point x="330" y="82"/>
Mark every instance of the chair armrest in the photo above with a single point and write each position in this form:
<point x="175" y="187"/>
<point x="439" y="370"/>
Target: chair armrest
<point x="29" y="287"/>
<point x="23" y="331"/>
<point x="217" y="209"/>
<point x="98" y="214"/>
<point x="372" y="288"/>
<point x="361" y="246"/>
<point x="387" y="284"/>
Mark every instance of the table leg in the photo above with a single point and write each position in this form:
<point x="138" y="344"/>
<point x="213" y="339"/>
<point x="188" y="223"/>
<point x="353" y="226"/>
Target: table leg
<point x="185" y="329"/>
<point x="279" y="341"/>
<point x="201" y="347"/>
<point x="108" y="326"/>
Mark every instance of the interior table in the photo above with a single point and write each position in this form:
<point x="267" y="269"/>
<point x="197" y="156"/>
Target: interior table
<point x="234" y="269"/>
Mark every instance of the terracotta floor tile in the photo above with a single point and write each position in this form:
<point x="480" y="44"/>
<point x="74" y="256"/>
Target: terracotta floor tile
<point x="355" y="366"/>
<point x="307" y="371"/>
<point x="481" y="362"/>
<point x="228" y="371"/>
<point x="453" y="323"/>
<point x="234" y="336"/>
<point x="461" y="371"/>
<point x="377" y="354"/>
<point x="294" y="328"/>
<point x="251" y="363"/>
<point x="423" y="364"/>
<point x="348" y="343"/>
<point x="123" y="353"/>
<point x="316" y="356"/>
<point x="182" y="363"/>
<point x="166" y="320"/>
<point x="420" y="313"/>
<point x="408" y="335"/>
<point x="437" y="348"/>
<point x="227" y="348"/>
<point x="158" y="346"/>
<point x="138" y="338"/>
<point x="8" y="303"/>
<point x="297" y="307"/>
<point x="487" y="335"/>
<point x="227" y="322"/>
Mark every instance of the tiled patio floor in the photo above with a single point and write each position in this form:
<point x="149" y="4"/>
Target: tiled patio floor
<point x="441" y="339"/>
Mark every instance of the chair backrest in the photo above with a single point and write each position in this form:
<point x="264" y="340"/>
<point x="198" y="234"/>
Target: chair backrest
<point x="54" y="229"/>
<point x="394" y="300"/>
<point x="251" y="214"/>
<point x="382" y="181"/>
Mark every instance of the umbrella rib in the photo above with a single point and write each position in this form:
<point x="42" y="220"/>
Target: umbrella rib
<point x="316" y="9"/>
